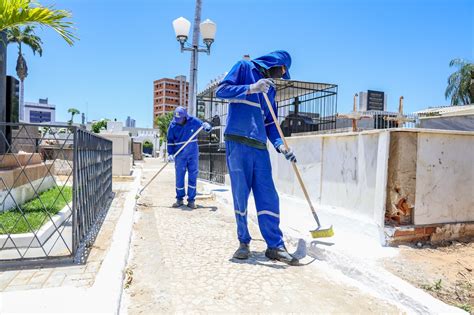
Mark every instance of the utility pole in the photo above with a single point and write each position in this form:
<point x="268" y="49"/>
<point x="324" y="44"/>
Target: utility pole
<point x="194" y="60"/>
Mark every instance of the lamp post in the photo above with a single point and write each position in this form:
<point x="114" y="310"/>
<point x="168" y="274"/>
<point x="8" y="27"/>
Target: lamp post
<point x="208" y="31"/>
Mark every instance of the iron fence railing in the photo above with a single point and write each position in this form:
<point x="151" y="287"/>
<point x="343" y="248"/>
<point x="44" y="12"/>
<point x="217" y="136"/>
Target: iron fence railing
<point x="55" y="182"/>
<point x="212" y="160"/>
<point x="302" y="107"/>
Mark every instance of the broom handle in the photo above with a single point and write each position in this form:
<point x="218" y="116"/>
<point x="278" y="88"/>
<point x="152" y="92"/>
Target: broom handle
<point x="177" y="152"/>
<point x="295" y="168"/>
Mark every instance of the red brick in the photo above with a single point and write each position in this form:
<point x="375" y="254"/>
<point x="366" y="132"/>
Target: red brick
<point x="430" y="230"/>
<point x="419" y="231"/>
<point x="398" y="233"/>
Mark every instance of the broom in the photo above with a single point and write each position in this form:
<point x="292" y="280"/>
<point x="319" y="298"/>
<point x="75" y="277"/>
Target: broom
<point x="319" y="231"/>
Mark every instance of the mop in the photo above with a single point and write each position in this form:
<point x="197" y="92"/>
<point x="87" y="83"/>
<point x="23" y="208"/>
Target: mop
<point x="319" y="231"/>
<point x="163" y="167"/>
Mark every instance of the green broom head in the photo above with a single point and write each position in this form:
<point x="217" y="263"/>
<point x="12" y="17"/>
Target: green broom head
<point x="318" y="233"/>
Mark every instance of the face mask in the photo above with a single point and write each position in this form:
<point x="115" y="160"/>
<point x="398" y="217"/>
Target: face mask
<point x="276" y="72"/>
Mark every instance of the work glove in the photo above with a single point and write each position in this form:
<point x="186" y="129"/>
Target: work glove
<point x="207" y="127"/>
<point x="289" y="155"/>
<point x="170" y="158"/>
<point x="261" y="86"/>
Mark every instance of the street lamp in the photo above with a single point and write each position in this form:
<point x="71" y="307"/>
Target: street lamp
<point x="208" y="32"/>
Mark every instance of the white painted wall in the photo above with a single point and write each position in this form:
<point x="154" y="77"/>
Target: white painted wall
<point x="338" y="170"/>
<point x="349" y="171"/>
<point x="444" y="178"/>
<point x="121" y="152"/>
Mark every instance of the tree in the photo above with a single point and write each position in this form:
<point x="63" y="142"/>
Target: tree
<point x="459" y="83"/>
<point x="163" y="122"/>
<point x="147" y="145"/>
<point x="73" y="112"/>
<point x="16" y="13"/>
<point x="99" y="125"/>
<point x="27" y="36"/>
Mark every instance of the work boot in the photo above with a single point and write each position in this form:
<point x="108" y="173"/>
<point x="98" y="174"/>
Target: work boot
<point x="192" y="204"/>
<point x="243" y="252"/>
<point x="178" y="203"/>
<point x="281" y="254"/>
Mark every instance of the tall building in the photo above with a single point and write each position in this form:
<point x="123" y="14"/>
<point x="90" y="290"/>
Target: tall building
<point x="130" y="122"/>
<point x="169" y="94"/>
<point x="40" y="112"/>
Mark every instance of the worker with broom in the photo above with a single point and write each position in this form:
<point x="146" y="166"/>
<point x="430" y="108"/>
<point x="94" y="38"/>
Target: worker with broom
<point x="181" y="129"/>
<point x="249" y="124"/>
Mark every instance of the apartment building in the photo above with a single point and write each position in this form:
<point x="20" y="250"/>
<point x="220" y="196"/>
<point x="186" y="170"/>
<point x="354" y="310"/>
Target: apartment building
<point x="169" y="94"/>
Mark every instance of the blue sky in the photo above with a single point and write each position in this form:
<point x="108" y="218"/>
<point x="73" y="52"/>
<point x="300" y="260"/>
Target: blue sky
<point x="402" y="47"/>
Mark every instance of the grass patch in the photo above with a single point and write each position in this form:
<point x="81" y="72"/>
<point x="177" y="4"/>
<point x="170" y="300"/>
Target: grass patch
<point x="14" y="222"/>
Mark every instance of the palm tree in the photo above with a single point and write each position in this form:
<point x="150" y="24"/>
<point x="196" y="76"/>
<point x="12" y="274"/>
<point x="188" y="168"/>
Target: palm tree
<point x="459" y="83"/>
<point x="17" y="13"/>
<point x="28" y="37"/>
<point x="73" y="112"/>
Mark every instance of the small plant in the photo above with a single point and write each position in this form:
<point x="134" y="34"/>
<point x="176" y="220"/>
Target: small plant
<point x="436" y="286"/>
<point x="128" y="277"/>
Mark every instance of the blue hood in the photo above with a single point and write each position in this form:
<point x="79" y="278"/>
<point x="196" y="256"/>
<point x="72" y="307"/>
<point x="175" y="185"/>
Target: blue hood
<point x="276" y="58"/>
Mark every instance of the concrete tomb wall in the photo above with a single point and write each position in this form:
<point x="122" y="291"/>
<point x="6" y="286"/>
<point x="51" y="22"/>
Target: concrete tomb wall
<point x="407" y="176"/>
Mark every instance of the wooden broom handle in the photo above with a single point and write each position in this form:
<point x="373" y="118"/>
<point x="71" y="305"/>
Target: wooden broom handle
<point x="295" y="168"/>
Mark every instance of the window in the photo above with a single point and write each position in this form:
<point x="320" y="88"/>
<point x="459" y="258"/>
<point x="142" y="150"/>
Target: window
<point x="39" y="117"/>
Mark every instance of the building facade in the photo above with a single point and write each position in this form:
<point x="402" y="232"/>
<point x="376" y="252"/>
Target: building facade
<point x="130" y="122"/>
<point x="41" y="112"/>
<point x="169" y="94"/>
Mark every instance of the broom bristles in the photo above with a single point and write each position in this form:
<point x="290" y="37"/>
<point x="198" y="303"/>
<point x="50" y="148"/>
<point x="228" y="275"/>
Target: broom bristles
<point x="322" y="233"/>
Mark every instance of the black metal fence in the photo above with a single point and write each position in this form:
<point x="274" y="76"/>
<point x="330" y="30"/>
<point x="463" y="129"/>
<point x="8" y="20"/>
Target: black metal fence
<point x="55" y="182"/>
<point x="212" y="160"/>
<point x="302" y="107"/>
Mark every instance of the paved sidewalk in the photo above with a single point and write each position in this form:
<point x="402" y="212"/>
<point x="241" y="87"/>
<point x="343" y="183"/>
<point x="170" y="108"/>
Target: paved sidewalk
<point x="181" y="261"/>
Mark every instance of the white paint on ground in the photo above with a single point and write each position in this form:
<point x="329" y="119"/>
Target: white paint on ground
<point x="351" y="255"/>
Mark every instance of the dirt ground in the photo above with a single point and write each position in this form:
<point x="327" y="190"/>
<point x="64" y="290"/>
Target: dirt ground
<point x="446" y="272"/>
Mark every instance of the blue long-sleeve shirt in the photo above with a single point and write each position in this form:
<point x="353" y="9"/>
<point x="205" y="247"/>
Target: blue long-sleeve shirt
<point x="248" y="114"/>
<point x="179" y="134"/>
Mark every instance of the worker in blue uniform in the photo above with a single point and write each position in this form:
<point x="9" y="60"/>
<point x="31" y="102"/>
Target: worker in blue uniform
<point x="180" y="130"/>
<point x="249" y="124"/>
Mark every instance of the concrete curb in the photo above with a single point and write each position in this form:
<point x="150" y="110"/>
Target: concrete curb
<point x="363" y="272"/>
<point x="109" y="280"/>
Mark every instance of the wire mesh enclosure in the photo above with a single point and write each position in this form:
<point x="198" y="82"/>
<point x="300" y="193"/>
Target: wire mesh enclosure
<point x="302" y="107"/>
<point x="55" y="181"/>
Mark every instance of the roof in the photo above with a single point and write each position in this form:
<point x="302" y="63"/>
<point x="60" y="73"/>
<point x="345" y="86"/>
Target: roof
<point x="460" y="110"/>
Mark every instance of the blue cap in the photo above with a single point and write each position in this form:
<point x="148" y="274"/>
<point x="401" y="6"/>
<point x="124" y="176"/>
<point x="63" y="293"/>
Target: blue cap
<point x="180" y="114"/>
